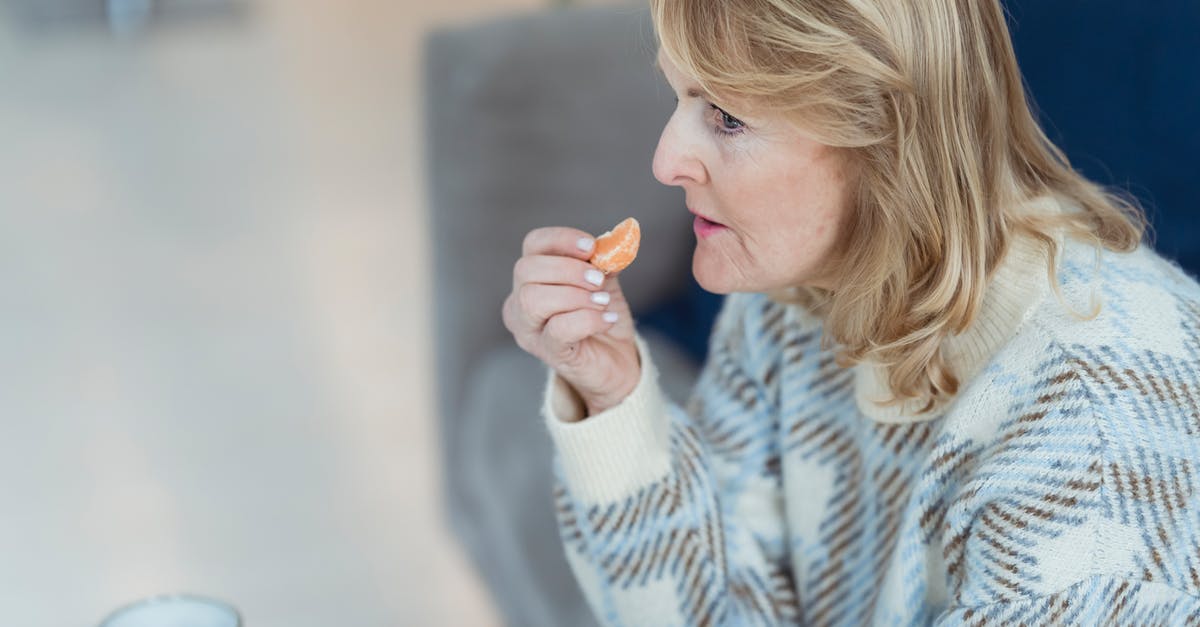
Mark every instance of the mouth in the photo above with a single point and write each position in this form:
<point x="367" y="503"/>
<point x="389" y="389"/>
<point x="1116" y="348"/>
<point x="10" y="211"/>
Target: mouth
<point x="705" y="219"/>
<point x="706" y="228"/>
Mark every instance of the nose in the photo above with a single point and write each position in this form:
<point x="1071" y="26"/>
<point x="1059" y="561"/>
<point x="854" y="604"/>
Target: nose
<point x="676" y="160"/>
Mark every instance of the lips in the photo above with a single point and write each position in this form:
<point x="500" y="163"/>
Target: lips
<point x="704" y="217"/>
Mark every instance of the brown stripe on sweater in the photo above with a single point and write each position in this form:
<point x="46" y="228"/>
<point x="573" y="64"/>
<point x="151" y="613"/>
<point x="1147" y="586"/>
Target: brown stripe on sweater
<point x="643" y="505"/>
<point x="700" y="603"/>
<point x="1158" y="391"/>
<point x="931" y="512"/>
<point x="647" y="557"/>
<point x="793" y="349"/>
<point x="782" y="597"/>
<point x="987" y="519"/>
<point x="842" y="448"/>
<point x="691" y="548"/>
<point x="1051" y="397"/>
<point x="1063" y="603"/>
<point x="1157" y="561"/>
<point x="1134" y="489"/>
<point x="888" y="432"/>
<point x="743" y="596"/>
<point x="1015" y="521"/>
<point x="821" y="577"/>
<point x="1170" y="385"/>
<point x="1063" y="377"/>
<point x="953" y="553"/>
<point x="990" y="540"/>
<point x="1062" y="501"/>
<point x="1120" y="598"/>
<point x="814" y="429"/>
<point x="1087" y="369"/>
<point x="663" y="500"/>
<point x="716" y="440"/>
<point x="942" y="459"/>
<point x="715" y="527"/>
<point x="821" y="596"/>
<point x="1013" y="435"/>
<point x="618" y="525"/>
<point x="1086" y="486"/>
<point x="1118" y="483"/>
<point x="1009" y="584"/>
<point x="670" y="550"/>
<point x="773" y="466"/>
<point x="885" y="487"/>
<point x="925" y="430"/>
<point x="1032" y="416"/>
<point x="1180" y="492"/>
<point x="684" y="471"/>
<point x="884" y="548"/>
<point x="1037" y="512"/>
<point x="1116" y="378"/>
<point x="1137" y="382"/>
<point x="769" y="376"/>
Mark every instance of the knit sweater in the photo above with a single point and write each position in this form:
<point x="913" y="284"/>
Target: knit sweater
<point x="1061" y="486"/>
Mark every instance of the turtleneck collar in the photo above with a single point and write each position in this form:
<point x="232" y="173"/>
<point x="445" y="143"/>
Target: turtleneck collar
<point x="1016" y="286"/>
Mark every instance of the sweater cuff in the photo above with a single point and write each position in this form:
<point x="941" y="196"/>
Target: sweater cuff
<point x="612" y="454"/>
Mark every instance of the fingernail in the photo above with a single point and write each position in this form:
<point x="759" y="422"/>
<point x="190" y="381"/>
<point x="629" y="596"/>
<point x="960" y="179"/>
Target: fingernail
<point x="600" y="298"/>
<point x="585" y="243"/>
<point x="610" y="316"/>
<point x="594" y="277"/>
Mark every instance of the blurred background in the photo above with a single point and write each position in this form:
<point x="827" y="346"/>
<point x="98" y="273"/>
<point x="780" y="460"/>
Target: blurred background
<point x="215" y="367"/>
<point x="217" y="277"/>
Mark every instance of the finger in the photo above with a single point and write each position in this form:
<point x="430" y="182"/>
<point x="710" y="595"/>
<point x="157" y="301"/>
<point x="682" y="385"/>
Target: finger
<point x="516" y="324"/>
<point x="565" y="330"/>
<point x="556" y="270"/>
<point x="612" y="287"/>
<point x="539" y="301"/>
<point x="612" y="283"/>
<point x="558" y="240"/>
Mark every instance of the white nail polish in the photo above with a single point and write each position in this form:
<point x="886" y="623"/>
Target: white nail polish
<point x="600" y="298"/>
<point x="595" y="277"/>
<point x="610" y="316"/>
<point x="585" y="243"/>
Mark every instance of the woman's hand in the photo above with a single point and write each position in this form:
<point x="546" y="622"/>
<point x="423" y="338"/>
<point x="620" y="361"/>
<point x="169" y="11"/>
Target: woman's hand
<point x="556" y="312"/>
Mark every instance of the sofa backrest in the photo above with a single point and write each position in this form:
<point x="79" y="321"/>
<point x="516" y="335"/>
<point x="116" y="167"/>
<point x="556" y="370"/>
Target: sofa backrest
<point x="544" y="119"/>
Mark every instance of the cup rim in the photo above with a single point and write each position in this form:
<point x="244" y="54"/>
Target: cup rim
<point x="172" y="596"/>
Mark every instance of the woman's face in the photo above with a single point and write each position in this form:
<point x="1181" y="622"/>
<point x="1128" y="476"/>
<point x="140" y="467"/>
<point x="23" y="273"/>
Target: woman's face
<point x="777" y="196"/>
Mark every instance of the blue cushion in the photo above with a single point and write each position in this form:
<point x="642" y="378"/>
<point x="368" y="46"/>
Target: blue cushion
<point x="686" y="319"/>
<point x="1117" y="89"/>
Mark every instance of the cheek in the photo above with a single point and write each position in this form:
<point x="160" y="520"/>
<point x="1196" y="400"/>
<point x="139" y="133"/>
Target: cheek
<point x="807" y="224"/>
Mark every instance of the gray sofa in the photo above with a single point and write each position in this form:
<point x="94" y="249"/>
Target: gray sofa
<point x="535" y="120"/>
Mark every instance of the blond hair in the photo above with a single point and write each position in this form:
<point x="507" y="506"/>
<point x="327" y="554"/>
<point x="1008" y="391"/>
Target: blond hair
<point x="926" y="102"/>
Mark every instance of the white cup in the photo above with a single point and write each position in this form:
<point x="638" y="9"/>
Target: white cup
<point x="176" y="610"/>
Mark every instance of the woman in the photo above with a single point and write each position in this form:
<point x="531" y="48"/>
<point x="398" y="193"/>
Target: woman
<point x="949" y="384"/>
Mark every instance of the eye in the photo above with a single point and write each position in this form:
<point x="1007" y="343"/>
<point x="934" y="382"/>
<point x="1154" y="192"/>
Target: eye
<point x="728" y="125"/>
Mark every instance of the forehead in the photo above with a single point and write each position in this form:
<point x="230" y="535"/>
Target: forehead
<point x="673" y="75"/>
<point x="745" y="108"/>
<point x="664" y="65"/>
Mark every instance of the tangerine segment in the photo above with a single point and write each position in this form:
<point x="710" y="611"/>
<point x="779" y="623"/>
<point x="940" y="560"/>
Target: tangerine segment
<point x="616" y="249"/>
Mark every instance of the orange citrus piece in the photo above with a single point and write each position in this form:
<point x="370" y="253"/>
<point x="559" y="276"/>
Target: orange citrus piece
<point x="617" y="248"/>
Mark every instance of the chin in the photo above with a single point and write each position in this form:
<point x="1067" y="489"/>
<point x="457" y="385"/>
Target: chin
<point x="713" y="280"/>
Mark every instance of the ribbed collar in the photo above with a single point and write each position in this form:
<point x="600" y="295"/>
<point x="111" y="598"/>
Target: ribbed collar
<point x="1017" y="285"/>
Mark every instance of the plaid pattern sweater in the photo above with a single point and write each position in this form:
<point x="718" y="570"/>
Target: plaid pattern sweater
<point x="1060" y="487"/>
